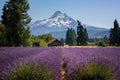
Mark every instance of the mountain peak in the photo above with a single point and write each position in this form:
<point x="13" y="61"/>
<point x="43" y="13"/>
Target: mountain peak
<point x="58" y="13"/>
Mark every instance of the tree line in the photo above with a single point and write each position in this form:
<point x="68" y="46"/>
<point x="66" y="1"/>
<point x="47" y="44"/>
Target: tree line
<point x="82" y="38"/>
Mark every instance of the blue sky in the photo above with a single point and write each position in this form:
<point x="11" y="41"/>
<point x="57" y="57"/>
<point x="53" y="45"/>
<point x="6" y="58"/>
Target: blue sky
<point x="99" y="13"/>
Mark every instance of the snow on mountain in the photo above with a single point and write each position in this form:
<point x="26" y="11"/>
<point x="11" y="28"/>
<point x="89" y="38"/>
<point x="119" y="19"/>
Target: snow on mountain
<point x="58" y="19"/>
<point x="58" y="23"/>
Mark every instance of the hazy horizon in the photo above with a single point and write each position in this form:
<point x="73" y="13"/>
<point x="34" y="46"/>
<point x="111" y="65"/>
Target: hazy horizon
<point x="100" y="13"/>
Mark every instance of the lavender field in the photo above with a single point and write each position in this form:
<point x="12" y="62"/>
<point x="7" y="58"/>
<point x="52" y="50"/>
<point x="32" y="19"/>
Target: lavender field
<point x="96" y="63"/>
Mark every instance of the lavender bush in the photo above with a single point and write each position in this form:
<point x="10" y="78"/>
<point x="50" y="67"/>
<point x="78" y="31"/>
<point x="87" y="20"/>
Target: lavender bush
<point x="93" y="71"/>
<point x="29" y="71"/>
<point x="9" y="54"/>
<point x="49" y="57"/>
<point x="77" y="58"/>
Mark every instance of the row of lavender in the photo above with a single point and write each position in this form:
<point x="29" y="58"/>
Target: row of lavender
<point x="11" y="57"/>
<point x="77" y="58"/>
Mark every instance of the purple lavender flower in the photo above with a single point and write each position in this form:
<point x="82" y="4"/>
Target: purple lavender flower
<point x="49" y="57"/>
<point x="76" y="58"/>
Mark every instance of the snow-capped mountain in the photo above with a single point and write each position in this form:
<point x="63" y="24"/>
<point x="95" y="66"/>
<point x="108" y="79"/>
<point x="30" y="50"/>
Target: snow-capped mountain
<point x="58" y="23"/>
<point x="58" y="19"/>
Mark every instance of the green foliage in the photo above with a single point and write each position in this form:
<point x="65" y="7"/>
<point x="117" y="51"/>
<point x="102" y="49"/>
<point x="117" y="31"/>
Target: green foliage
<point x="2" y="27"/>
<point x="46" y="37"/>
<point x="42" y="43"/>
<point x="62" y="41"/>
<point x="96" y="41"/>
<point x="70" y="37"/>
<point x="101" y="43"/>
<point x="106" y="39"/>
<point x="115" y="34"/>
<point x="16" y="20"/>
<point x="42" y="40"/>
<point x="82" y="35"/>
<point x="30" y="72"/>
<point x="35" y="44"/>
<point x="3" y="41"/>
<point x="93" y="71"/>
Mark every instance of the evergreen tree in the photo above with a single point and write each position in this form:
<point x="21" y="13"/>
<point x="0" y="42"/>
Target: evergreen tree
<point x="115" y="34"/>
<point x="3" y="41"/>
<point x="62" y="41"/>
<point x="73" y="37"/>
<point x="82" y="35"/>
<point x="16" y="20"/>
<point x="106" y="39"/>
<point x="86" y="36"/>
<point x="70" y="37"/>
<point x="67" y="41"/>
